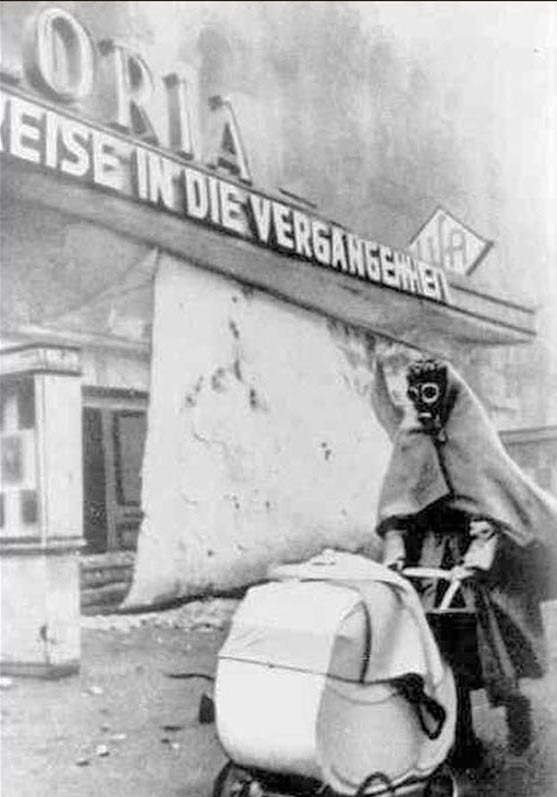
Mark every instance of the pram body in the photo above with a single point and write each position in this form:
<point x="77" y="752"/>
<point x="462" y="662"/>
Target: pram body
<point x="307" y="688"/>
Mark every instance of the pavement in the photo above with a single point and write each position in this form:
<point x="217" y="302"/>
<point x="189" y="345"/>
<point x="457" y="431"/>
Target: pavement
<point x="126" y="726"/>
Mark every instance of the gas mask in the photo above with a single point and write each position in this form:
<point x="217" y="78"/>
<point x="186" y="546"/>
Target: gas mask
<point x="427" y="386"/>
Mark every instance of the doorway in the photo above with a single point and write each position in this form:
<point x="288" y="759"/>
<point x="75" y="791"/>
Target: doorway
<point x="114" y="431"/>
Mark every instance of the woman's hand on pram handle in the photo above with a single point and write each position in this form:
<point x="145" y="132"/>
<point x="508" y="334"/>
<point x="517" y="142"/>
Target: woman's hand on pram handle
<point x="455" y="575"/>
<point x="394" y="551"/>
<point x="461" y="573"/>
<point x="483" y="547"/>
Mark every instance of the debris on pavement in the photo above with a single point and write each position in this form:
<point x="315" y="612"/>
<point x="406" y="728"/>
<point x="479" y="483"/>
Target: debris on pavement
<point x="206" y="713"/>
<point x="172" y="744"/>
<point x="102" y="750"/>
<point x="6" y="683"/>
<point x="118" y="737"/>
<point x="187" y="675"/>
<point x="141" y="701"/>
<point x="203" y="615"/>
<point x="95" y="690"/>
<point x="172" y="728"/>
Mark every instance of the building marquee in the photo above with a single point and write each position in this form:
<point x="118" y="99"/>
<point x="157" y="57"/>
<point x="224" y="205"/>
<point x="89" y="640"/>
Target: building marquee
<point x="152" y="158"/>
<point x="37" y="134"/>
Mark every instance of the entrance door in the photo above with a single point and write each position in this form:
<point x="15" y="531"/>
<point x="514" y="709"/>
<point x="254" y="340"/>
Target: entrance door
<point x="95" y="526"/>
<point x="114" y="429"/>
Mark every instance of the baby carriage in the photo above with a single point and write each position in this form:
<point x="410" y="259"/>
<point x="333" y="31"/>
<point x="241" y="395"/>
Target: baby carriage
<point x="331" y="683"/>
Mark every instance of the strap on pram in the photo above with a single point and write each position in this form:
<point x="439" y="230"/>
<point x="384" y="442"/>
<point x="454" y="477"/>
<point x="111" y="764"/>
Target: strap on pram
<point x="376" y="777"/>
<point x="431" y="714"/>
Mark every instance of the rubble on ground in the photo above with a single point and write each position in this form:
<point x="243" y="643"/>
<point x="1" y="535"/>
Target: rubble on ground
<point x="207" y="614"/>
<point x="6" y="683"/>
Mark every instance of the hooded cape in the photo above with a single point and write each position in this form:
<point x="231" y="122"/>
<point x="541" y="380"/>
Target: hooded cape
<point x="468" y="468"/>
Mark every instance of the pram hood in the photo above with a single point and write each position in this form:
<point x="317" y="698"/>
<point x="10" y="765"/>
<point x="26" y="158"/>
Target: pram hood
<point x="340" y="615"/>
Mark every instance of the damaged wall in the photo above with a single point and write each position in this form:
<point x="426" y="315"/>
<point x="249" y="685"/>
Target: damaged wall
<point x="262" y="442"/>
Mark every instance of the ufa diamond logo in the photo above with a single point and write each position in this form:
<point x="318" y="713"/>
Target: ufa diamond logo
<point x="447" y="242"/>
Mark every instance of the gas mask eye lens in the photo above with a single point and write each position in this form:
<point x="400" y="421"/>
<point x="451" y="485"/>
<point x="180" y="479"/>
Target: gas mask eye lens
<point x="430" y="393"/>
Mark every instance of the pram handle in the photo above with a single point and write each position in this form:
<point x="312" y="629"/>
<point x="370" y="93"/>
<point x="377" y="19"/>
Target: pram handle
<point x="437" y="572"/>
<point x="442" y="575"/>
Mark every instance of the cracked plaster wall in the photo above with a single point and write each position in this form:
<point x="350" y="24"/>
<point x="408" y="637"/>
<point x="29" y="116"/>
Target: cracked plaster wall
<point x="262" y="442"/>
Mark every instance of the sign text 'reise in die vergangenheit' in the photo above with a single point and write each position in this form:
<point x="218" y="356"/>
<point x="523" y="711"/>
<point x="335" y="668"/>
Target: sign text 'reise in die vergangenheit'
<point x="151" y="156"/>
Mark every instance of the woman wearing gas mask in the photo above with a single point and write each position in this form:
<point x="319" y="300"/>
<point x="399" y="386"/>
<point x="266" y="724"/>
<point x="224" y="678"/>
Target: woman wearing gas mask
<point x="453" y="499"/>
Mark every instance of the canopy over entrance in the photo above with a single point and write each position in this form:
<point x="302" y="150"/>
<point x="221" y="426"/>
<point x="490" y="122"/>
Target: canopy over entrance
<point x="473" y="318"/>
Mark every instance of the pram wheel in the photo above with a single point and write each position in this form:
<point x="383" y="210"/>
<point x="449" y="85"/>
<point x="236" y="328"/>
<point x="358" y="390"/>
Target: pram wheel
<point x="235" y="782"/>
<point x="441" y="783"/>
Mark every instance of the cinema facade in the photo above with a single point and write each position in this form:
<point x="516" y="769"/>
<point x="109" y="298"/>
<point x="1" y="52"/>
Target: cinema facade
<point x="183" y="352"/>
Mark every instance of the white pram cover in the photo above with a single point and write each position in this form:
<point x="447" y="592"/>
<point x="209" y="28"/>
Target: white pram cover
<point x="305" y="678"/>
